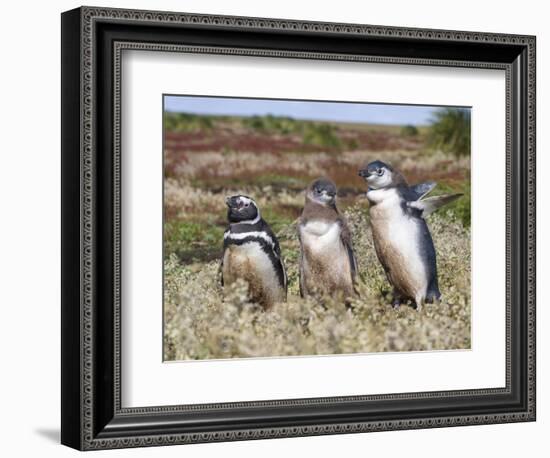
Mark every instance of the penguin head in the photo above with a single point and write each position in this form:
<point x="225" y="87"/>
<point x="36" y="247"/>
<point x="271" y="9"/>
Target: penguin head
<point x="242" y="209"/>
<point x="322" y="191"/>
<point x="379" y="175"/>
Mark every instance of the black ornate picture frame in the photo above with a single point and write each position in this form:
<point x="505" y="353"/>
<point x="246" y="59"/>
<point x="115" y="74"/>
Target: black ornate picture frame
<point x="92" y="42"/>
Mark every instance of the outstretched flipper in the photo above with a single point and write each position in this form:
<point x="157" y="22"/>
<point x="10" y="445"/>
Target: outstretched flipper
<point x="431" y="204"/>
<point x="420" y="190"/>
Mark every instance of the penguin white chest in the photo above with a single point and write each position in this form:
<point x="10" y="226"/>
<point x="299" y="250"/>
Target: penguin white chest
<point x="325" y="262"/>
<point x="320" y="236"/>
<point x="251" y="263"/>
<point x="249" y="257"/>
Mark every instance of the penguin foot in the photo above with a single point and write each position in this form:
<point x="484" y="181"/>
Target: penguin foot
<point x="349" y="305"/>
<point x="397" y="300"/>
<point x="433" y="299"/>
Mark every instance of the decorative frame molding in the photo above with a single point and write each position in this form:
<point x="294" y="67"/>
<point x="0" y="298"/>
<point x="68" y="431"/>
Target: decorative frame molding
<point x="93" y="40"/>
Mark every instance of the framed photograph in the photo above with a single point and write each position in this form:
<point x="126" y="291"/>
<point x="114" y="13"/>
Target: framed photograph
<point x="276" y="228"/>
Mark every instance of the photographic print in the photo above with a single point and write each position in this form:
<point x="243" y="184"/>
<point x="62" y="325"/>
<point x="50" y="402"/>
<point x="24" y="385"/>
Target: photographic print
<point x="296" y="228"/>
<point x="296" y="214"/>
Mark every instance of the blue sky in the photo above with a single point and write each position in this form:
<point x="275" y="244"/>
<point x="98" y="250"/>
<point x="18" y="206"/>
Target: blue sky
<point x="317" y="111"/>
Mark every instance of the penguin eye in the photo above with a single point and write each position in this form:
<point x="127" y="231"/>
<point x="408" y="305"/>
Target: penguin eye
<point x="380" y="172"/>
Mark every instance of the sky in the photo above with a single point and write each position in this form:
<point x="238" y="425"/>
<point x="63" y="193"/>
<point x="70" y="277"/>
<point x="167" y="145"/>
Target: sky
<point x="307" y="110"/>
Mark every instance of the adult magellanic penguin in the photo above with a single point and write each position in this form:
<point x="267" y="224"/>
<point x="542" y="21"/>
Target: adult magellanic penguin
<point x="251" y="252"/>
<point x="327" y="261"/>
<point x="401" y="236"/>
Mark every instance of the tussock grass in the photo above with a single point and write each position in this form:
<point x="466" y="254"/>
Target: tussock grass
<point x="450" y="131"/>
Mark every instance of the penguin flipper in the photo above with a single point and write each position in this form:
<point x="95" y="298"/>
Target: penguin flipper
<point x="220" y="271"/>
<point x="220" y="268"/>
<point x="301" y="270"/>
<point x="282" y="273"/>
<point x="352" y="261"/>
<point x="345" y="237"/>
<point x="279" y="265"/>
<point x="301" y="282"/>
<point x="431" y="204"/>
<point x="421" y="189"/>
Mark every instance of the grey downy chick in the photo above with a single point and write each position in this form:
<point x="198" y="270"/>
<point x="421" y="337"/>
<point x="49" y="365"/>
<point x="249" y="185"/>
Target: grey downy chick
<point x="327" y="260"/>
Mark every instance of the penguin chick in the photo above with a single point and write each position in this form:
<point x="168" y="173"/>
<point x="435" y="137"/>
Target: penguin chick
<point x="402" y="240"/>
<point x="327" y="261"/>
<point x="251" y="252"/>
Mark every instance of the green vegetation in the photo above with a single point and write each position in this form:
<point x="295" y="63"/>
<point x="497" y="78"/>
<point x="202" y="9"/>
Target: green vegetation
<point x="323" y="135"/>
<point x="273" y="124"/>
<point x="460" y="208"/>
<point x="352" y="144"/>
<point x="409" y="131"/>
<point x="191" y="240"/>
<point x="312" y="133"/>
<point x="280" y="218"/>
<point x="450" y="131"/>
<point x="185" y="122"/>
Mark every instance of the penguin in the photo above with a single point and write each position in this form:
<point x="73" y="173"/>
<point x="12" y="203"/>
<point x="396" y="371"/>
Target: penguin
<point x="402" y="239"/>
<point x="251" y="251"/>
<point x="327" y="260"/>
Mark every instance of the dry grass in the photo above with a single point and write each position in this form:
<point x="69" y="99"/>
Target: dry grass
<point x="202" y="322"/>
<point x="210" y="168"/>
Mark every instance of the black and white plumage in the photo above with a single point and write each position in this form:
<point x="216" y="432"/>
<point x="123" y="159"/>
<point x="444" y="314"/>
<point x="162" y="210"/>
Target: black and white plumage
<point x="327" y="260"/>
<point x="401" y="236"/>
<point x="251" y="252"/>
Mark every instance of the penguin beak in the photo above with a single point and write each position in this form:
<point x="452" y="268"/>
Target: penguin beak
<point x="364" y="173"/>
<point x="228" y="201"/>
